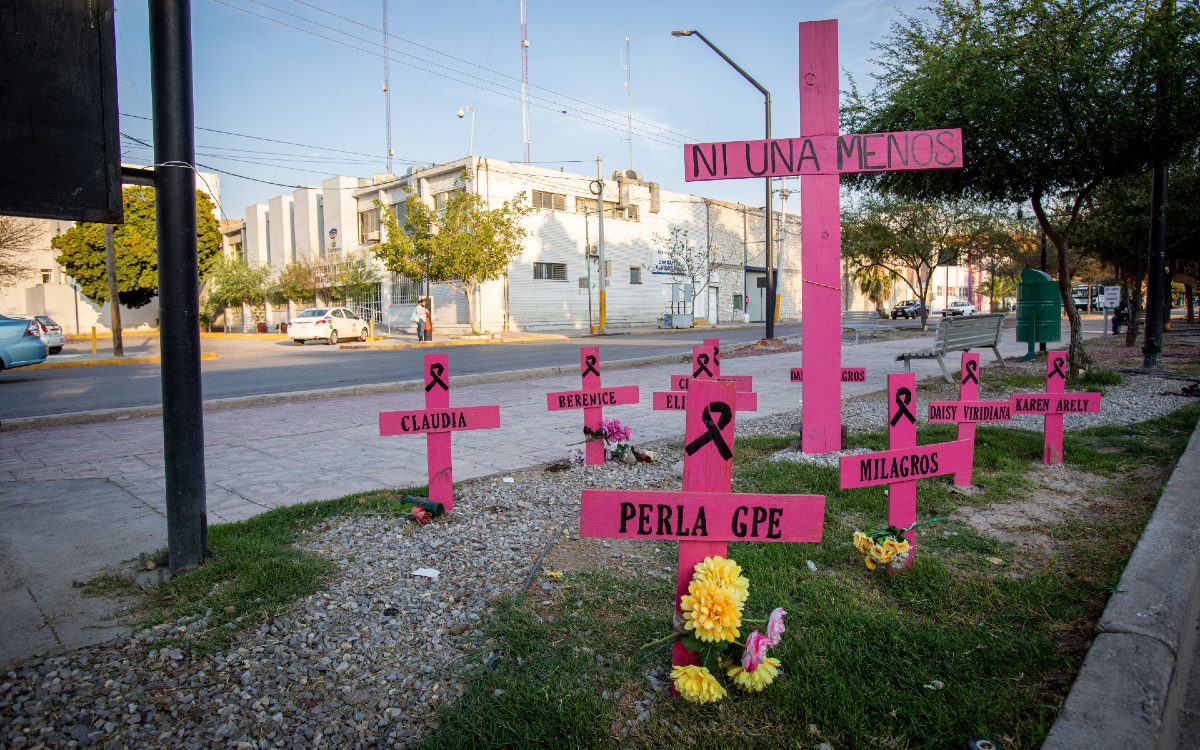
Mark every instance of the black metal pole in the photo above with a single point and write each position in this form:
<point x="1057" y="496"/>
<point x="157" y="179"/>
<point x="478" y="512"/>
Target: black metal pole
<point x="178" y="281"/>
<point x="1155" y="282"/>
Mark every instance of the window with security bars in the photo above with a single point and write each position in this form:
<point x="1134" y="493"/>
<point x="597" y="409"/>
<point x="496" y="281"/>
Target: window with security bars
<point x="549" y="201"/>
<point x="405" y="291"/>
<point x="550" y="271"/>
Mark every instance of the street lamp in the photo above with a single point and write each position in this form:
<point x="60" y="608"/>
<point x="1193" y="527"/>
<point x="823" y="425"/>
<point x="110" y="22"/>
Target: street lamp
<point x="461" y="114"/>
<point x="770" y="327"/>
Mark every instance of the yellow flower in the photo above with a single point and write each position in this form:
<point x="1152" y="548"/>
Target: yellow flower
<point x="862" y="542"/>
<point x="714" y="612"/>
<point x="890" y="545"/>
<point x="697" y="684"/>
<point x="877" y="552"/>
<point x="756" y="680"/>
<point x="870" y="563"/>
<point x="902" y="547"/>
<point x="723" y="572"/>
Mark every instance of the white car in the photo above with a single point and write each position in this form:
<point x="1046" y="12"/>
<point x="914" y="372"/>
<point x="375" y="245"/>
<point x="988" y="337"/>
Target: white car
<point x="327" y="323"/>
<point x="959" y="307"/>
<point x="50" y="332"/>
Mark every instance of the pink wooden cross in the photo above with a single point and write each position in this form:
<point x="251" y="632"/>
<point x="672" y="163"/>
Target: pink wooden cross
<point x="706" y="514"/>
<point x="969" y="410"/>
<point x="592" y="399"/>
<point x="904" y="462"/>
<point x="437" y="421"/>
<point x="819" y="156"/>
<point x="1054" y="403"/>
<point x="706" y="365"/>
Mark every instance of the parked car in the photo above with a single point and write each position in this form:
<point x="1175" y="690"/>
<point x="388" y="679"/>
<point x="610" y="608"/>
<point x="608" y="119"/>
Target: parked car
<point x="959" y="307"/>
<point x="20" y="343"/>
<point x="908" y="309"/>
<point x="328" y="323"/>
<point x="50" y="332"/>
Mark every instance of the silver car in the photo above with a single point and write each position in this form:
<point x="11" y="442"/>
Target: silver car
<point x="50" y="332"/>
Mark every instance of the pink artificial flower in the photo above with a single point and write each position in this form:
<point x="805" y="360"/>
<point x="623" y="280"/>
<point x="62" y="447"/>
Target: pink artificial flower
<point x="756" y="651"/>
<point x="615" y="432"/>
<point x="420" y="515"/>
<point x="775" y="627"/>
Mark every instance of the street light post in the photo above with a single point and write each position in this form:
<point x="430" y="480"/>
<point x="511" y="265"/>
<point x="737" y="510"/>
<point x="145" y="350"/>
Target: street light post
<point x="769" y="214"/>
<point x="462" y="112"/>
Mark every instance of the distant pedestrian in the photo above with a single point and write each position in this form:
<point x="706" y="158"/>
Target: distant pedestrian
<point x="420" y="316"/>
<point x="428" y="321"/>
<point x="1119" y="316"/>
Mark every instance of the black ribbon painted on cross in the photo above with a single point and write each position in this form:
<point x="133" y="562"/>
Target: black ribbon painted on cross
<point x="1058" y="369"/>
<point x="589" y="365"/>
<point x="701" y="366"/>
<point x="903" y="399"/>
<point x="435" y="377"/>
<point x="717" y="356"/>
<point x="712" y="433"/>
<point x="970" y="372"/>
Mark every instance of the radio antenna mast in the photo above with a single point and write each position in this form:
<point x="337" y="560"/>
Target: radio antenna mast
<point x="387" y="88"/>
<point x="524" y="81"/>
<point x="629" y="102"/>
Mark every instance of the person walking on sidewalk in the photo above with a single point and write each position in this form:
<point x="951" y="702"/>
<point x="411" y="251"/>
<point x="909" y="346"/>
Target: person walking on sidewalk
<point x="428" y="320"/>
<point x="420" y="316"/>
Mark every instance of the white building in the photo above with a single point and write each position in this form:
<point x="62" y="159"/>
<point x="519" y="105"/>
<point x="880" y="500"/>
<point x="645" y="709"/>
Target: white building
<point x="549" y="284"/>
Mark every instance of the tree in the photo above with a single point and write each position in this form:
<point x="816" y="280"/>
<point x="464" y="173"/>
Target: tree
<point x="135" y="241"/>
<point x="463" y="245"/>
<point x="690" y="266"/>
<point x="234" y="283"/>
<point x="298" y="281"/>
<point x="1051" y="99"/>
<point x="875" y="283"/>
<point x="17" y="236"/>
<point x="352" y="278"/>
<point x="905" y="240"/>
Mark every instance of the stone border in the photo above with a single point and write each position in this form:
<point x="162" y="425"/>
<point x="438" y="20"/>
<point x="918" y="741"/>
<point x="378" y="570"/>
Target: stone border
<point x="1130" y="690"/>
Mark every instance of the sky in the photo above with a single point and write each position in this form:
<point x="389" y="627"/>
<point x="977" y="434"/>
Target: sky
<point x="304" y="77"/>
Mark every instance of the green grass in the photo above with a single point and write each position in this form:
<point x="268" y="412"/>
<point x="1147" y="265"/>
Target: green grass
<point x="1095" y="377"/>
<point x="1005" y="640"/>
<point x="254" y="572"/>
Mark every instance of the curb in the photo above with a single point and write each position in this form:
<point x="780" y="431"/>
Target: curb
<point x="73" y="363"/>
<point x="1131" y="687"/>
<point x="368" y="346"/>
<point x="221" y="404"/>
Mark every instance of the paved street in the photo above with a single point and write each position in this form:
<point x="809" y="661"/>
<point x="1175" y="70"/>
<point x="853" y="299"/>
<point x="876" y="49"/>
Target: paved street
<point x="76" y="499"/>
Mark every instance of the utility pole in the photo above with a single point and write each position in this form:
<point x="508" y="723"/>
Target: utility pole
<point x="1155" y="282"/>
<point x="525" y="82"/>
<point x="600" y="240"/>
<point x="114" y="304"/>
<point x="178" y="281"/>
<point x="387" y="89"/>
<point x="587" y="264"/>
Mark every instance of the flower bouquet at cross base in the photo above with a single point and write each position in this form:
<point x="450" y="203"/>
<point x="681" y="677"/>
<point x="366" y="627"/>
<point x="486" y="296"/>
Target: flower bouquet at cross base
<point x="616" y="438"/>
<point x="886" y="548"/>
<point x="712" y="622"/>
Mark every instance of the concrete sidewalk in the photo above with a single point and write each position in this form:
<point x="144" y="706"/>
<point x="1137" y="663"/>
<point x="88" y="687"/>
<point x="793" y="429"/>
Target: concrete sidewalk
<point x="77" y="499"/>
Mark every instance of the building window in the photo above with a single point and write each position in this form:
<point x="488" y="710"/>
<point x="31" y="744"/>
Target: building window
<point x="550" y="271"/>
<point x="405" y="291"/>
<point x="549" y="201"/>
<point x="737" y="301"/>
<point x="238" y="251"/>
<point x="368" y="226"/>
<point x="47" y="274"/>
<point x="441" y="200"/>
<point x="635" y="274"/>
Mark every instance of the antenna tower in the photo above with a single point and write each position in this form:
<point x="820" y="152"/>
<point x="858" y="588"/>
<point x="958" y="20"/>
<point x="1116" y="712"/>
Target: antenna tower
<point x="524" y="82"/>
<point x="629" y="102"/>
<point x="387" y="88"/>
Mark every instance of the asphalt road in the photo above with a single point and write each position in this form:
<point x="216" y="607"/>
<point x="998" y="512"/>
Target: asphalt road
<point x="254" y="368"/>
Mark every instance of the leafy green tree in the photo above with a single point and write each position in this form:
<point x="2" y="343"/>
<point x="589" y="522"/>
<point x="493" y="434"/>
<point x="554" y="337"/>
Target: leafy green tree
<point x="463" y="245"/>
<point x="135" y="241"/>
<point x="298" y="281"/>
<point x="875" y="283"/>
<point x="1052" y="99"/>
<point x="233" y="283"/>
<point x="352" y="278"/>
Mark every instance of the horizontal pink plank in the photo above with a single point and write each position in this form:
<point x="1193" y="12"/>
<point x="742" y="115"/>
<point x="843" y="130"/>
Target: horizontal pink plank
<point x="439" y="420"/>
<point x="824" y="154"/>
<point x="677" y="400"/>
<point x="1055" y="403"/>
<point x="701" y="516"/>
<point x="622" y="394"/>
<point x="745" y="383"/>
<point x="970" y="411"/>
<point x="904" y="464"/>
<point x="849" y="374"/>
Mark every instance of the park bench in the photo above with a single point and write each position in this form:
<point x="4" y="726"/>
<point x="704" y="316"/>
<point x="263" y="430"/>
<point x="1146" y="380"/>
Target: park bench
<point x="862" y="320"/>
<point x="960" y="334"/>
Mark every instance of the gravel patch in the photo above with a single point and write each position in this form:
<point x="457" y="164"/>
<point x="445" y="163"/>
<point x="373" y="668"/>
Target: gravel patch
<point x="368" y="660"/>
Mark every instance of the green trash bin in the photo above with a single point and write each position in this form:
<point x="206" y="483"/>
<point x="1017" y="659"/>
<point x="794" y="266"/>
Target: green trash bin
<point x="1039" y="310"/>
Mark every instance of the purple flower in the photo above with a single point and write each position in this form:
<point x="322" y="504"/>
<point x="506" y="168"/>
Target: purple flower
<point x="615" y="432"/>
<point x="775" y="626"/>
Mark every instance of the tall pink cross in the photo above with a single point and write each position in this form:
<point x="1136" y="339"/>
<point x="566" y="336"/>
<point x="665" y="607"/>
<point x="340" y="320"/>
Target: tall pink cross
<point x="819" y="156"/>
<point x="706" y="515"/>
<point x="436" y="422"/>
<point x="592" y="399"/>
<point x="968" y="411"/>
<point x="1054" y="403"/>
<point x="904" y="462"/>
